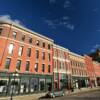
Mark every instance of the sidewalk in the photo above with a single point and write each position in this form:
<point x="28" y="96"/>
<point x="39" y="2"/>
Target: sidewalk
<point x="82" y="90"/>
<point x="36" y="96"/>
<point x="25" y="97"/>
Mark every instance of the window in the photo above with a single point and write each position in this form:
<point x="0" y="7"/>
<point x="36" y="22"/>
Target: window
<point x="36" y="67"/>
<point x="43" y="45"/>
<point x="55" y="63"/>
<point x="27" y="65"/>
<point x="7" y="64"/>
<point x="60" y="65"/>
<point x="37" y="42"/>
<point x="34" y="84"/>
<point x="23" y="37"/>
<point x="43" y="55"/>
<point x="63" y="64"/>
<point x="11" y="47"/>
<point x="20" y="51"/>
<point x="43" y="67"/>
<point x="49" y="67"/>
<point x="18" y="65"/>
<point x="30" y="40"/>
<point x="29" y="52"/>
<point x="0" y="31"/>
<point x="41" y="84"/>
<point x="48" y="46"/>
<point x="14" y="34"/>
<point x="49" y="56"/>
<point x="37" y="54"/>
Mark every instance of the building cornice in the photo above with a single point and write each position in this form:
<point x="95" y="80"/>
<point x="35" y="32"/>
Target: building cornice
<point x="60" y="47"/>
<point x="77" y="55"/>
<point x="25" y="29"/>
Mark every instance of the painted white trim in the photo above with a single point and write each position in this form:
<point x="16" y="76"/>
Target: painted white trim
<point x="80" y="75"/>
<point x="58" y="58"/>
<point x="77" y="55"/>
<point x="60" y="47"/>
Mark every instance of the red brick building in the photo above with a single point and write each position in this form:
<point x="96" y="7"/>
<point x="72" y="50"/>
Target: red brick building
<point x="28" y="52"/>
<point x="41" y="65"/>
<point x="97" y="72"/>
<point x="90" y="71"/>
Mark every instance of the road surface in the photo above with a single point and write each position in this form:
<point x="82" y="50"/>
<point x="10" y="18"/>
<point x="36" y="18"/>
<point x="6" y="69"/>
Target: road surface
<point x="93" y="95"/>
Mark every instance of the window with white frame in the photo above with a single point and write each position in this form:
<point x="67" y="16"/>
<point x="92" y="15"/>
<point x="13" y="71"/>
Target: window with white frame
<point x="14" y="34"/>
<point x="18" y="65"/>
<point x="49" y="56"/>
<point x="49" y="68"/>
<point x="7" y="63"/>
<point x="29" y="52"/>
<point x="43" y="68"/>
<point x="0" y="31"/>
<point x="37" y="54"/>
<point x="11" y="48"/>
<point x="27" y="65"/>
<point x="43" y="55"/>
<point x="36" y="67"/>
<point x="20" y="51"/>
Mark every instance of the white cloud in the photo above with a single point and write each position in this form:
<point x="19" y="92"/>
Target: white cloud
<point x="98" y="30"/>
<point x="67" y="4"/>
<point x="8" y="18"/>
<point x="70" y="26"/>
<point x="50" y="23"/>
<point x="92" y="50"/>
<point x="95" y="10"/>
<point x="5" y="18"/>
<point x="63" y="23"/>
<point x="65" y="18"/>
<point x="59" y="23"/>
<point x="52" y="1"/>
<point x="97" y="46"/>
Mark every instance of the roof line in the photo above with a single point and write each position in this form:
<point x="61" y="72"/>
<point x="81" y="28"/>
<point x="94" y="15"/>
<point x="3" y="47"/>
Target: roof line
<point x="25" y="29"/>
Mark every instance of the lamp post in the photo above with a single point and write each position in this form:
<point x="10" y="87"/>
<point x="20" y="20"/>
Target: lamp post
<point x="15" y="75"/>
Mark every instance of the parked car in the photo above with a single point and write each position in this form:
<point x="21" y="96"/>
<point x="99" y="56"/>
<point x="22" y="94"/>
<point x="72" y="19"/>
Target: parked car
<point x="56" y="93"/>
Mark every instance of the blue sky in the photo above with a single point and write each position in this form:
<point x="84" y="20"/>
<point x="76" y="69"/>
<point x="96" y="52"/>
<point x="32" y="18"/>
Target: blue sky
<point x="74" y="24"/>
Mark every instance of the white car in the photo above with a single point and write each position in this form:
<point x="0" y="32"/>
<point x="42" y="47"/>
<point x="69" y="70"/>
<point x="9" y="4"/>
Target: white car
<point x="54" y="94"/>
<point x="3" y="89"/>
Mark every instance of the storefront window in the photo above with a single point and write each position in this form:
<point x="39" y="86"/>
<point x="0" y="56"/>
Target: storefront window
<point x="63" y="81"/>
<point x="41" y="84"/>
<point x="14" y="87"/>
<point x="24" y="87"/>
<point x="33" y="84"/>
<point x="3" y="86"/>
<point x="49" y="84"/>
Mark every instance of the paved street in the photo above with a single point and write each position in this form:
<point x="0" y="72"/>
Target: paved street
<point x="93" y="95"/>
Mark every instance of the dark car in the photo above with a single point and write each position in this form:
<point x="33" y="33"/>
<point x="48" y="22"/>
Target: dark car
<point x="56" y="93"/>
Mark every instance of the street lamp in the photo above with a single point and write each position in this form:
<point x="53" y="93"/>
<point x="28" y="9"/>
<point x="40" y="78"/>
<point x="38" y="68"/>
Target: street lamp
<point x="15" y="75"/>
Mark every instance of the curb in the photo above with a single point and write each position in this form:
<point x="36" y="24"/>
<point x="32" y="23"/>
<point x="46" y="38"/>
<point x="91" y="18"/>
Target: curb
<point x="82" y="91"/>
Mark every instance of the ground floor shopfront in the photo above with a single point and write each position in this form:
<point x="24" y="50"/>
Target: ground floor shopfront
<point x="24" y="83"/>
<point x="60" y="81"/>
<point x="98" y="81"/>
<point x="79" y="82"/>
